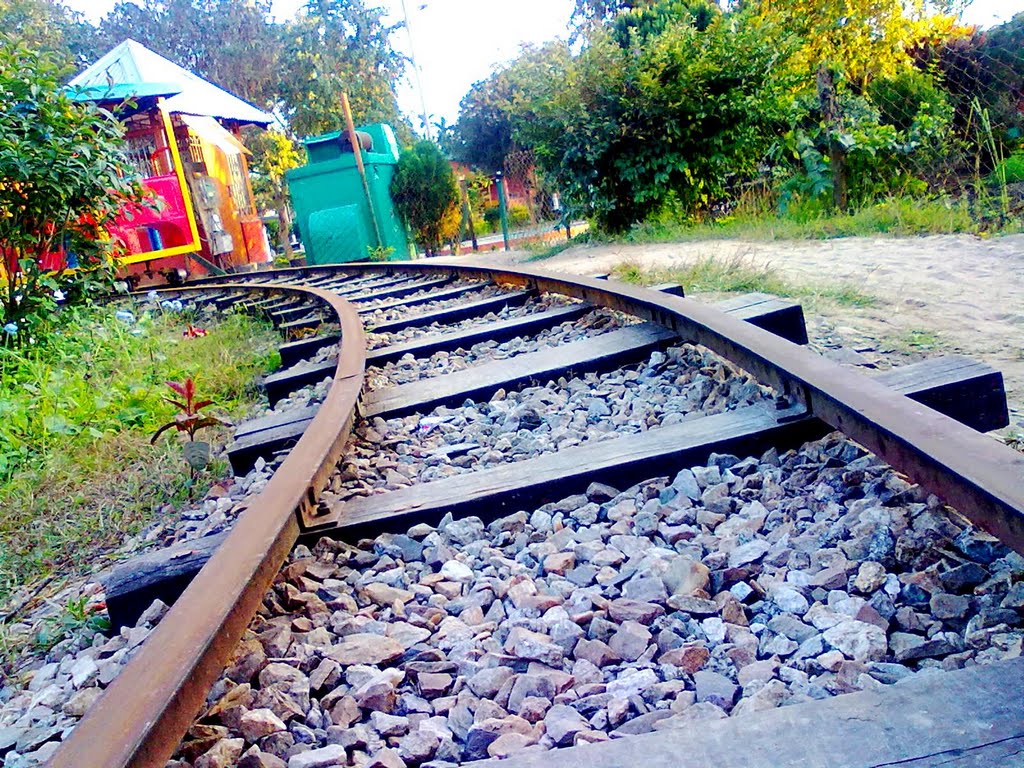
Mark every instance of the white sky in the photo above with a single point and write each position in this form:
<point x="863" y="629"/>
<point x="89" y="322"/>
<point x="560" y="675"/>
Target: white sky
<point x="457" y="42"/>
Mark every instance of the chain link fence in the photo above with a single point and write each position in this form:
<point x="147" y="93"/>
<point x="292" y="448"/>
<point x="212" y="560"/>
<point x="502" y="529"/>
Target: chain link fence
<point x="948" y="128"/>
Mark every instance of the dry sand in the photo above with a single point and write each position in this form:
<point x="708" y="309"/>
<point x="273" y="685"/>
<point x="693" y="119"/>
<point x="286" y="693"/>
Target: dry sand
<point x="967" y="291"/>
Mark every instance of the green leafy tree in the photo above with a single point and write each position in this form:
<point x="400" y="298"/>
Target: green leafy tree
<point x="48" y="26"/>
<point x="61" y="182"/>
<point x="426" y="195"/>
<point x="335" y="47"/>
<point x="589" y="12"/>
<point x="674" y="122"/>
<point x="229" y="42"/>
<point x="488" y="117"/>
<point x="274" y="154"/>
<point x="984" y="70"/>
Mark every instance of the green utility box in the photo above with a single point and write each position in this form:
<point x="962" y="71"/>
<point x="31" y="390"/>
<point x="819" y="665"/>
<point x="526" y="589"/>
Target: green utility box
<point x="330" y="202"/>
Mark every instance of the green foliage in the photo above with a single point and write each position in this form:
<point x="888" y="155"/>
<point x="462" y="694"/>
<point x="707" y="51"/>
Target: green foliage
<point x="229" y="42"/>
<point x="740" y="275"/>
<point x="518" y="215"/>
<point x="983" y="71"/>
<point x="486" y="130"/>
<point x="892" y="135"/>
<point x="425" y="194"/>
<point x="379" y="252"/>
<point x="78" y="616"/>
<point x="626" y="133"/>
<point x="77" y="471"/>
<point x="642" y="24"/>
<point x="812" y="219"/>
<point x="50" y="28"/>
<point x="1011" y="170"/>
<point x="339" y="46"/>
<point x="298" y="68"/>
<point x="920" y="340"/>
<point x="273" y="154"/>
<point x="61" y="182"/>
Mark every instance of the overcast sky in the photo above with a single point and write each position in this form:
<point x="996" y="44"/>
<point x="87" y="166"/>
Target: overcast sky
<point x="457" y="42"/>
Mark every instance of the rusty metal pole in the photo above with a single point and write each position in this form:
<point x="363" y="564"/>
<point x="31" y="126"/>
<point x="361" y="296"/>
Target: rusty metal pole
<point x="350" y="127"/>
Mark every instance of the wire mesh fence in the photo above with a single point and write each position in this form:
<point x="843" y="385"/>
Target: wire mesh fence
<point x="949" y="127"/>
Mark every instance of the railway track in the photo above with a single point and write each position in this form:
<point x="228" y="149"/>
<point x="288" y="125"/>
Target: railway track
<point x="522" y="511"/>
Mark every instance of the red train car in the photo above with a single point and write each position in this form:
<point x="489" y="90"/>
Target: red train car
<point x="183" y="139"/>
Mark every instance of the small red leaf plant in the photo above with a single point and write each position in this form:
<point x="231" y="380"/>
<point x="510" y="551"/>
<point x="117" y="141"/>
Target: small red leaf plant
<point x="190" y="420"/>
<point x="194" y="332"/>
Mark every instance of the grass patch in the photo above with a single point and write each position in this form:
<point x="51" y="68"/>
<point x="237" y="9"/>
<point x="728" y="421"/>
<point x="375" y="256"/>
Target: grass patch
<point x="919" y="340"/>
<point x="809" y="221"/>
<point x="77" y="472"/>
<point x="741" y="275"/>
<point x="542" y="251"/>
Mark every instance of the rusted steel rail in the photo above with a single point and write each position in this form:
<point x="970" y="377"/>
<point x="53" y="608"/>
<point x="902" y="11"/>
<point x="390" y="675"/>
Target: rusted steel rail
<point x="979" y="476"/>
<point x="148" y="708"/>
<point x="145" y="712"/>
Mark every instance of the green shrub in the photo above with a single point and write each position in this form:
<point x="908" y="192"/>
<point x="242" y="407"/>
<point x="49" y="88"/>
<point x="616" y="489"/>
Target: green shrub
<point x="518" y="215"/>
<point x="426" y="196"/>
<point x="678" y="120"/>
<point x="1011" y="170"/>
<point x="61" y="182"/>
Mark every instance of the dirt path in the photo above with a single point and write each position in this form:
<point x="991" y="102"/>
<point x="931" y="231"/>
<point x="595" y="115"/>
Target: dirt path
<point x="935" y="294"/>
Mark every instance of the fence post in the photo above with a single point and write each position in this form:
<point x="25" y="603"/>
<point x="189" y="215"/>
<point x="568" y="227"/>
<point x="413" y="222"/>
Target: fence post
<point x="503" y="208"/>
<point x="833" y="119"/>
<point x="467" y="211"/>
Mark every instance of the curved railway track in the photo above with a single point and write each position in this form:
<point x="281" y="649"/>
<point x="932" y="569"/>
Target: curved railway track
<point x="449" y="347"/>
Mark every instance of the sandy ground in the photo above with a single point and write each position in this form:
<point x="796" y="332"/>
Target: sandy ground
<point x="934" y="295"/>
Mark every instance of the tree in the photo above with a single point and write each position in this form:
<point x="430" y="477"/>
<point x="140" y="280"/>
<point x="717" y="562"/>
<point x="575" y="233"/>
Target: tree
<point x="47" y="26"/>
<point x="859" y="39"/>
<point x="589" y="12"/>
<point x="229" y="42"/>
<point x="338" y="46"/>
<point x="61" y="182"/>
<point x="426" y="195"/>
<point x="274" y="154"/>
<point x="487" y="127"/>
<point x="626" y="132"/>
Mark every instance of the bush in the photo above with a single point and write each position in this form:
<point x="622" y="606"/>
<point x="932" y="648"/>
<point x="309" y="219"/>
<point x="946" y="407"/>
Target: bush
<point x="426" y="196"/>
<point x="492" y="216"/>
<point x="678" y="119"/>
<point x="894" y="135"/>
<point x="61" y="182"/>
<point x="518" y="215"/>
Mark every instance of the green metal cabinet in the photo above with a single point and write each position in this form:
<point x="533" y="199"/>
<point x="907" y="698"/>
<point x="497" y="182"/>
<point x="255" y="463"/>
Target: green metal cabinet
<point x="330" y="203"/>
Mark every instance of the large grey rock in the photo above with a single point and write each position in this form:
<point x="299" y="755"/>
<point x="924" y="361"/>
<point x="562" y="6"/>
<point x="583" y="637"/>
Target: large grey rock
<point x="715" y="688"/>
<point x="857" y="640"/>
<point x="630" y="641"/>
<point x="325" y="757"/>
<point x="562" y="723"/>
<point x="487" y="682"/>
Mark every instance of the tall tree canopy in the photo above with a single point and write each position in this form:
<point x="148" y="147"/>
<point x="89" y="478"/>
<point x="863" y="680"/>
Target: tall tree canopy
<point x="485" y="131"/>
<point x="51" y="29"/>
<point x="298" y="68"/>
<point x="229" y="42"/>
<point x="339" y="46"/>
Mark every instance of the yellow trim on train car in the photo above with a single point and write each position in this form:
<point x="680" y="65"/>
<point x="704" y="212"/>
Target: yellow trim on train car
<point x="179" y="170"/>
<point x="164" y="253"/>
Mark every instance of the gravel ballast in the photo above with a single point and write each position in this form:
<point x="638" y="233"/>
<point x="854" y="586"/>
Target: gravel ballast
<point x="730" y="588"/>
